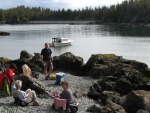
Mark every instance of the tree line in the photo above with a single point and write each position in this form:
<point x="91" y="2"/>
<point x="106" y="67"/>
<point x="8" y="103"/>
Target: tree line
<point x="129" y="11"/>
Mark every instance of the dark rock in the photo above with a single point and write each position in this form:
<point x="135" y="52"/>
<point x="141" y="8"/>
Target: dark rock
<point x="93" y="93"/>
<point x="68" y="61"/>
<point x="94" y="109"/>
<point x="142" y="111"/>
<point x="4" y="33"/>
<point x="98" y="88"/>
<point x="136" y="64"/>
<point x="113" y="96"/>
<point x="4" y="60"/>
<point x="123" y="86"/>
<point x="136" y="100"/>
<point x="108" y="85"/>
<point x="25" y="55"/>
<point x="19" y="63"/>
<point x="35" y="74"/>
<point x="112" y="108"/>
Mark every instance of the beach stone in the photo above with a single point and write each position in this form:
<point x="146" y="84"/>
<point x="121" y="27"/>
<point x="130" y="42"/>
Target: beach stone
<point x="113" y="96"/>
<point x="94" y="109"/>
<point x="136" y="100"/>
<point x="93" y="93"/>
<point x="25" y="55"/>
<point x="112" y="108"/>
<point x="123" y="86"/>
<point x="142" y="111"/>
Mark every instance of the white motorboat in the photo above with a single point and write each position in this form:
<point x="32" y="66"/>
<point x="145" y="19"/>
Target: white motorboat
<point x="60" y="42"/>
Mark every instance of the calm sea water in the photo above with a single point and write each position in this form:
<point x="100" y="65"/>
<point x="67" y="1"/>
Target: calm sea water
<point x="131" y="43"/>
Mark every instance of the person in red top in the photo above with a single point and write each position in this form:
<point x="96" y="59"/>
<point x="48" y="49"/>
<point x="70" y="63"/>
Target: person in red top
<point x="9" y="72"/>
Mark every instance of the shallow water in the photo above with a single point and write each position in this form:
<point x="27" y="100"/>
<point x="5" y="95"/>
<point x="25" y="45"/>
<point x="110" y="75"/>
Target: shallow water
<point x="131" y="43"/>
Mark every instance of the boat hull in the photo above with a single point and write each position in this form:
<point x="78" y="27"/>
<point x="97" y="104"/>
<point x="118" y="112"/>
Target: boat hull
<point x="59" y="44"/>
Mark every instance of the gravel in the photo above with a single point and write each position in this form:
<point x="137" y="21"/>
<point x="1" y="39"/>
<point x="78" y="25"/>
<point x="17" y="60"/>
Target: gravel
<point x="76" y="83"/>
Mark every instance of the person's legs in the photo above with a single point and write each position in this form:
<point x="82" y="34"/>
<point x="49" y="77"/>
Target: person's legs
<point x="50" y="68"/>
<point x="46" y="64"/>
<point x="33" y="97"/>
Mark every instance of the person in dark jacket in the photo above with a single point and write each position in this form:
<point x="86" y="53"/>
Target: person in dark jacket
<point x="46" y="59"/>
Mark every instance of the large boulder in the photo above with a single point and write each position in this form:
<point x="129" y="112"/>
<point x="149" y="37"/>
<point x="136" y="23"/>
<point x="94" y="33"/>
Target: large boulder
<point x="111" y="107"/>
<point x="68" y="62"/>
<point x="136" y="100"/>
<point x="25" y="55"/>
<point x="20" y="62"/>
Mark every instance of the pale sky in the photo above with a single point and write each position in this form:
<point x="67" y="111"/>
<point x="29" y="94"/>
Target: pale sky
<point x="57" y="4"/>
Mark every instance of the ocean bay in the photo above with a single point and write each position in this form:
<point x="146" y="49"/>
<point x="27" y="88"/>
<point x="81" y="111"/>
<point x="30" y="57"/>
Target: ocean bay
<point x="131" y="43"/>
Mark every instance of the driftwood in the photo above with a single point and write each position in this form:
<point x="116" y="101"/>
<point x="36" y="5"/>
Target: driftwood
<point x="29" y="82"/>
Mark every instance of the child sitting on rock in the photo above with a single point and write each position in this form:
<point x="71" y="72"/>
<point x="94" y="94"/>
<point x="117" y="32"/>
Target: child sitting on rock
<point x="26" y="97"/>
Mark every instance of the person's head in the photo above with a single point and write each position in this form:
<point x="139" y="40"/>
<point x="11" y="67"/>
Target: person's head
<point x="46" y="45"/>
<point x="13" y="66"/>
<point x="18" y="84"/>
<point x="64" y="84"/>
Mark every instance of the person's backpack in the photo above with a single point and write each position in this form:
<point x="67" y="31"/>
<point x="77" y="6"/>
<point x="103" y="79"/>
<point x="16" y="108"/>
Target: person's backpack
<point x="2" y="78"/>
<point x="4" y="85"/>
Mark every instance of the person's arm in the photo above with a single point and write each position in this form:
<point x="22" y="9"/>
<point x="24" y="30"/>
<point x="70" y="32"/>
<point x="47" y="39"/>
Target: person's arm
<point x="13" y="89"/>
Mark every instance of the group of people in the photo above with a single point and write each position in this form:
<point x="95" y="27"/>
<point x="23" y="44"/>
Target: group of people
<point x="30" y="95"/>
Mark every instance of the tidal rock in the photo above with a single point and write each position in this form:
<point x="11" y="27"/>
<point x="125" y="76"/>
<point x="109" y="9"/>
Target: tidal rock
<point x="4" y="33"/>
<point x="136" y="100"/>
<point x="4" y="60"/>
<point x="68" y="61"/>
<point x="25" y="55"/>
<point x="93" y="93"/>
<point x="94" y="109"/>
<point x="123" y="86"/>
<point x="112" y="108"/>
<point x="142" y="111"/>
<point x="113" y="96"/>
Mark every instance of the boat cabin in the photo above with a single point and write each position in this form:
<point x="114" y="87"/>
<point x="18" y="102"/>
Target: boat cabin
<point x="59" y="40"/>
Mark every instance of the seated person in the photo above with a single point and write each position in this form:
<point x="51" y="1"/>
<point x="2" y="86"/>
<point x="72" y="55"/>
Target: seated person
<point x="66" y="93"/>
<point x="27" y="96"/>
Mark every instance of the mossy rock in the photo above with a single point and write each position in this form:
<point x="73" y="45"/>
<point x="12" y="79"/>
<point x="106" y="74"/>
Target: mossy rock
<point x="104" y="56"/>
<point x="4" y="60"/>
<point x="4" y="33"/>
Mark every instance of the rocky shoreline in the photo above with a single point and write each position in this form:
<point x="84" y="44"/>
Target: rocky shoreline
<point x="105" y="84"/>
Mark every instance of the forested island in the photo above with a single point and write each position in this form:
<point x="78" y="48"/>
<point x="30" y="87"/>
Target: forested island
<point x="129" y="11"/>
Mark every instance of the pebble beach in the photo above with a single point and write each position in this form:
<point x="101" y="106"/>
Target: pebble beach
<point x="76" y="83"/>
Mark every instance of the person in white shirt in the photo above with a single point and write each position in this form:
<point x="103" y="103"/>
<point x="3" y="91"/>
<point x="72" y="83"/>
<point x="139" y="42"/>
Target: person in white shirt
<point x="25" y="96"/>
